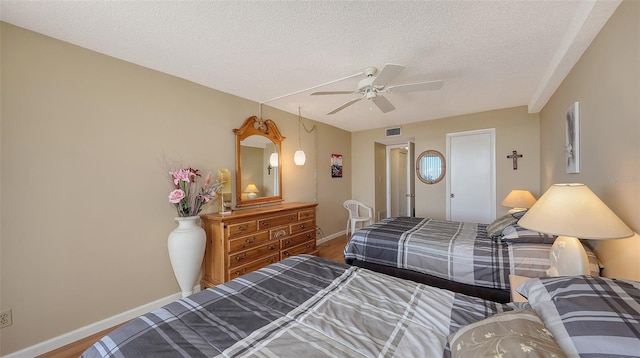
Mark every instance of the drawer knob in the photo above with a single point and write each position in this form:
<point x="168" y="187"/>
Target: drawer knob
<point x="250" y="240"/>
<point x="292" y="217"/>
<point x="243" y="227"/>
<point x="286" y="253"/>
<point x="302" y="226"/>
<point x="241" y="257"/>
<point x="265" y="222"/>
<point x="241" y="272"/>
<point x="271" y="247"/>
<point x="287" y="242"/>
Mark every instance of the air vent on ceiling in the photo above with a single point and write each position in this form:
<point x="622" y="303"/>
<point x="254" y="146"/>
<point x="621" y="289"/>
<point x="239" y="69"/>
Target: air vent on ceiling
<point x="393" y="132"/>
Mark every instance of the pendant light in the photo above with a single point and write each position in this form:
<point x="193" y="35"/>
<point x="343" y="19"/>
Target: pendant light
<point x="273" y="159"/>
<point x="299" y="157"/>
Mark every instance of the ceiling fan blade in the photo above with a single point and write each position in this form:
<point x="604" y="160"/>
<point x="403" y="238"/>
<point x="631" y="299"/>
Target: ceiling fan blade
<point x="331" y="92"/>
<point x="345" y="105"/>
<point x="383" y="103"/>
<point x="388" y="73"/>
<point x="415" y="87"/>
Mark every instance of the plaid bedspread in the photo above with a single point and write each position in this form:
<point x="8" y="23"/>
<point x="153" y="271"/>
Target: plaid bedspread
<point x="301" y="307"/>
<point x="452" y="250"/>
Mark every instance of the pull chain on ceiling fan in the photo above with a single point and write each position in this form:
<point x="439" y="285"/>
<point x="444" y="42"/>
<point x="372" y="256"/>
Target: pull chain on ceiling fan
<point x="372" y="88"/>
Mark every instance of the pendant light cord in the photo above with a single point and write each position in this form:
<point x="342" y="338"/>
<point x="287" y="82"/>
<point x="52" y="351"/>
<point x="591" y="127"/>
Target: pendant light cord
<point x="315" y="142"/>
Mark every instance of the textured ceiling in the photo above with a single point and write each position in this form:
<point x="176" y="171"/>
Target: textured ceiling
<point x="490" y="54"/>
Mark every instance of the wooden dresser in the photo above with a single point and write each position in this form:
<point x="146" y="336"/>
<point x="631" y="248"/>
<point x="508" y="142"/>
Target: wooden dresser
<point x="247" y="240"/>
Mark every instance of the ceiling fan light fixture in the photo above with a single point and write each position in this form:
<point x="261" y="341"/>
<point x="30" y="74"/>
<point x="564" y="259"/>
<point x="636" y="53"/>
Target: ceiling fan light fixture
<point x="370" y="86"/>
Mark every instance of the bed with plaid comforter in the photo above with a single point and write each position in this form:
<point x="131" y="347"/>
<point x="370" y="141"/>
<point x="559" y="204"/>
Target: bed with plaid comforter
<point x="303" y="306"/>
<point x="456" y="251"/>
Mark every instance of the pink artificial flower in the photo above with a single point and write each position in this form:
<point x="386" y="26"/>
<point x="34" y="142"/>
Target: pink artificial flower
<point x="207" y="180"/>
<point x="176" y="195"/>
<point x="205" y="198"/>
<point x="182" y="174"/>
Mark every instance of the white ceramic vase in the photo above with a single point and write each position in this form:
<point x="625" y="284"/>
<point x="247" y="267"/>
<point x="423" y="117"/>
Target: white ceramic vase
<point x="186" y="250"/>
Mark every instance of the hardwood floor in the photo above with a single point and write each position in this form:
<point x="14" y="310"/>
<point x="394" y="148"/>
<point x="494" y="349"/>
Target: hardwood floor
<point x="331" y="250"/>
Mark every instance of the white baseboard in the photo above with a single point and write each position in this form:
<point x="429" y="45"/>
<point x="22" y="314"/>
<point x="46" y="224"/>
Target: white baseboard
<point x="330" y="237"/>
<point x="86" y="331"/>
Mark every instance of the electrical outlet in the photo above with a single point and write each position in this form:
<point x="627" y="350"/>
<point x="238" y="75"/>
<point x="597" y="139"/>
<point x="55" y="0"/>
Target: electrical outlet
<point x="5" y="318"/>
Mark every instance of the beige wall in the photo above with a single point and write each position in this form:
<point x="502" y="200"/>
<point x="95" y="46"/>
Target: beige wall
<point x="85" y="215"/>
<point x="606" y="82"/>
<point x="515" y="130"/>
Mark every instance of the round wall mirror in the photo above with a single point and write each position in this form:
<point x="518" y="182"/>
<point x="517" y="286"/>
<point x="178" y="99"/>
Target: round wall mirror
<point x="430" y="167"/>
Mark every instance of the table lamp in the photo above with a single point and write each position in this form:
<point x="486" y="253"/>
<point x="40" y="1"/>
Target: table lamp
<point x="572" y="211"/>
<point x="252" y="191"/>
<point x="518" y="200"/>
<point x="224" y="177"/>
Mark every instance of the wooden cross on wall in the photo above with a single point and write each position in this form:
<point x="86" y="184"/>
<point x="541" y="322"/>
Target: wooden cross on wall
<point x="514" y="155"/>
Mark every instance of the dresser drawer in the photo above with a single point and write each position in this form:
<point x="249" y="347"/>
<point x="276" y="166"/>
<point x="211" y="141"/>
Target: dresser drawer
<point x="241" y="270"/>
<point x="243" y="228"/>
<point x="277" y="221"/>
<point x="244" y="257"/>
<point x="306" y="214"/>
<point x="301" y="227"/>
<point x="306" y="248"/>
<point x="297" y="239"/>
<point x="250" y="241"/>
<point x="279" y="233"/>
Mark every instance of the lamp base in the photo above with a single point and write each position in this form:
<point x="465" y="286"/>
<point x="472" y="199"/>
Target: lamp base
<point x="568" y="258"/>
<point x="516" y="210"/>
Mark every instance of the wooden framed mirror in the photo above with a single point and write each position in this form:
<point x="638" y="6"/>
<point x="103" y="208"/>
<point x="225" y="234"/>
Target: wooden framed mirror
<point x="258" y="162"/>
<point x="430" y="167"/>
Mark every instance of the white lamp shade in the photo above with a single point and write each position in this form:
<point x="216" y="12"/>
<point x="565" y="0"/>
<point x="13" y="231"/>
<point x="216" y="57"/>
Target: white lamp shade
<point x="251" y="191"/>
<point x="224" y="176"/>
<point x="574" y="210"/>
<point x="299" y="158"/>
<point x="273" y="159"/>
<point x="519" y="199"/>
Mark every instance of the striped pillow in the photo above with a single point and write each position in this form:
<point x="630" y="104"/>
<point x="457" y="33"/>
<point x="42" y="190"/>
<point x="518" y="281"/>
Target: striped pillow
<point x="516" y="233"/>
<point x="494" y="230"/>
<point x="590" y="316"/>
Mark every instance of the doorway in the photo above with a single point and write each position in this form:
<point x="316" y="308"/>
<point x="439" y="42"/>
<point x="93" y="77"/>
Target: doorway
<point x="400" y="180"/>
<point x="471" y="183"/>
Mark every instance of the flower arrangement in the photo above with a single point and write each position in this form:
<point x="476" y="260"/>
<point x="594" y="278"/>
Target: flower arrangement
<point x="190" y="193"/>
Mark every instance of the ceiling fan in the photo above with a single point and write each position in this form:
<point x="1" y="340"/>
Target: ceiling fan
<point x="372" y="88"/>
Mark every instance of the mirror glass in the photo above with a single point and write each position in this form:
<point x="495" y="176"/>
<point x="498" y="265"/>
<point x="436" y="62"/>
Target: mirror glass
<point x="258" y="164"/>
<point x="258" y="171"/>
<point x="430" y="166"/>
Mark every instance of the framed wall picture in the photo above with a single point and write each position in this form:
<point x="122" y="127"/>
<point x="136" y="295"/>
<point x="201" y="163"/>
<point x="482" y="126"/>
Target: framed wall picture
<point x="572" y="146"/>
<point x="336" y="165"/>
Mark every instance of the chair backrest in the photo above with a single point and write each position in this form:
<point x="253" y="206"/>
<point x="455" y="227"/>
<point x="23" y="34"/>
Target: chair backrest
<point x="353" y="206"/>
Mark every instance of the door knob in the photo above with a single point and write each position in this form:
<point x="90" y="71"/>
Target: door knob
<point x="453" y="195"/>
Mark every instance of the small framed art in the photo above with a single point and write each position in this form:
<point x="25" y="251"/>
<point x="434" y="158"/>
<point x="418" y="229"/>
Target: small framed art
<point x="572" y="146"/>
<point x="336" y="165"/>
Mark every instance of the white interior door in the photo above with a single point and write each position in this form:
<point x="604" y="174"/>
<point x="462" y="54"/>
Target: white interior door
<point x="411" y="180"/>
<point x="471" y="180"/>
<point x="400" y="180"/>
